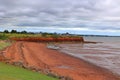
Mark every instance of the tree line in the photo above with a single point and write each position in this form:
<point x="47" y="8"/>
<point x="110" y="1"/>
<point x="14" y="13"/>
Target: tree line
<point x="14" y="31"/>
<point x="43" y="33"/>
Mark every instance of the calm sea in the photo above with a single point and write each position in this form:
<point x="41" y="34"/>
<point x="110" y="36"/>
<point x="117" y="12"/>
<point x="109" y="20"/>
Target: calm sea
<point x="105" y="54"/>
<point x="103" y="39"/>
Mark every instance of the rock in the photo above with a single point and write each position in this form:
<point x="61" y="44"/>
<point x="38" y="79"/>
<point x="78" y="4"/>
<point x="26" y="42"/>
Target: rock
<point x="18" y="63"/>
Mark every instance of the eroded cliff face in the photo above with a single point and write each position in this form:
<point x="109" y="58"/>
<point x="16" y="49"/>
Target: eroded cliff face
<point x="40" y="39"/>
<point x="2" y="58"/>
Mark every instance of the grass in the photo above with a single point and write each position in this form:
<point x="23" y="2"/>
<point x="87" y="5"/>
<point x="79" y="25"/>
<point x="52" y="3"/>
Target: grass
<point x="9" y="72"/>
<point x="5" y="36"/>
<point x="4" y="44"/>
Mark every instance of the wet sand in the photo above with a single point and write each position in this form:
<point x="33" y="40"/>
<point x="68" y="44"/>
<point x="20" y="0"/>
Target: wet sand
<point x="37" y="55"/>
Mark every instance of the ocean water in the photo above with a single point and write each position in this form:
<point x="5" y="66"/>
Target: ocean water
<point x="105" y="54"/>
<point x="103" y="39"/>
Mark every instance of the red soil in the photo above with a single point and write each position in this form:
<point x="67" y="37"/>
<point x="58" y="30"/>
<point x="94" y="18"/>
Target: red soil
<point x="1" y="58"/>
<point x="39" y="56"/>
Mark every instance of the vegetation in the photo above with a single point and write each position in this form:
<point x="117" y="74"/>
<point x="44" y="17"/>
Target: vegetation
<point x="5" y="36"/>
<point x="13" y="31"/>
<point x="6" y="31"/>
<point x="4" y="44"/>
<point x="24" y="34"/>
<point x="9" y="72"/>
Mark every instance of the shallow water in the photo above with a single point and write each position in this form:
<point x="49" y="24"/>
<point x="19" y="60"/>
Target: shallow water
<point x="105" y="54"/>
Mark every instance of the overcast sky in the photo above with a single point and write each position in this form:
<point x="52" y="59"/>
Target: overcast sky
<point x="74" y="16"/>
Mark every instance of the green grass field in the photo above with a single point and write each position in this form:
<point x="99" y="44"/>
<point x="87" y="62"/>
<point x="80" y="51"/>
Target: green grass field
<point x="9" y="72"/>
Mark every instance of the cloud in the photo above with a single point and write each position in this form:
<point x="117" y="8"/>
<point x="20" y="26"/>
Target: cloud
<point x="87" y="14"/>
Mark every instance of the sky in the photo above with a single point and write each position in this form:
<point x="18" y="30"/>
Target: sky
<point x="97" y="17"/>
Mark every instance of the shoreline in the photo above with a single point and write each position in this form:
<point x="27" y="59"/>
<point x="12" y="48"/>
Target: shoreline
<point x="86" y="61"/>
<point x="39" y="58"/>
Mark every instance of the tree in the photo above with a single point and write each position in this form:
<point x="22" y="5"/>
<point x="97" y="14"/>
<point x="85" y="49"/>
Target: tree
<point x="23" y="32"/>
<point x="67" y="33"/>
<point x="14" y="31"/>
<point x="6" y="31"/>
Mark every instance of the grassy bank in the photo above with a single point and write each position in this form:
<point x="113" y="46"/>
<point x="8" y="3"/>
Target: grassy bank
<point x="9" y="72"/>
<point x="5" y="36"/>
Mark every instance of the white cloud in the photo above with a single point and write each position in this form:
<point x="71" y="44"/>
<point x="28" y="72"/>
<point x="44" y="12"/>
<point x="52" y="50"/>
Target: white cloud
<point x="76" y="14"/>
